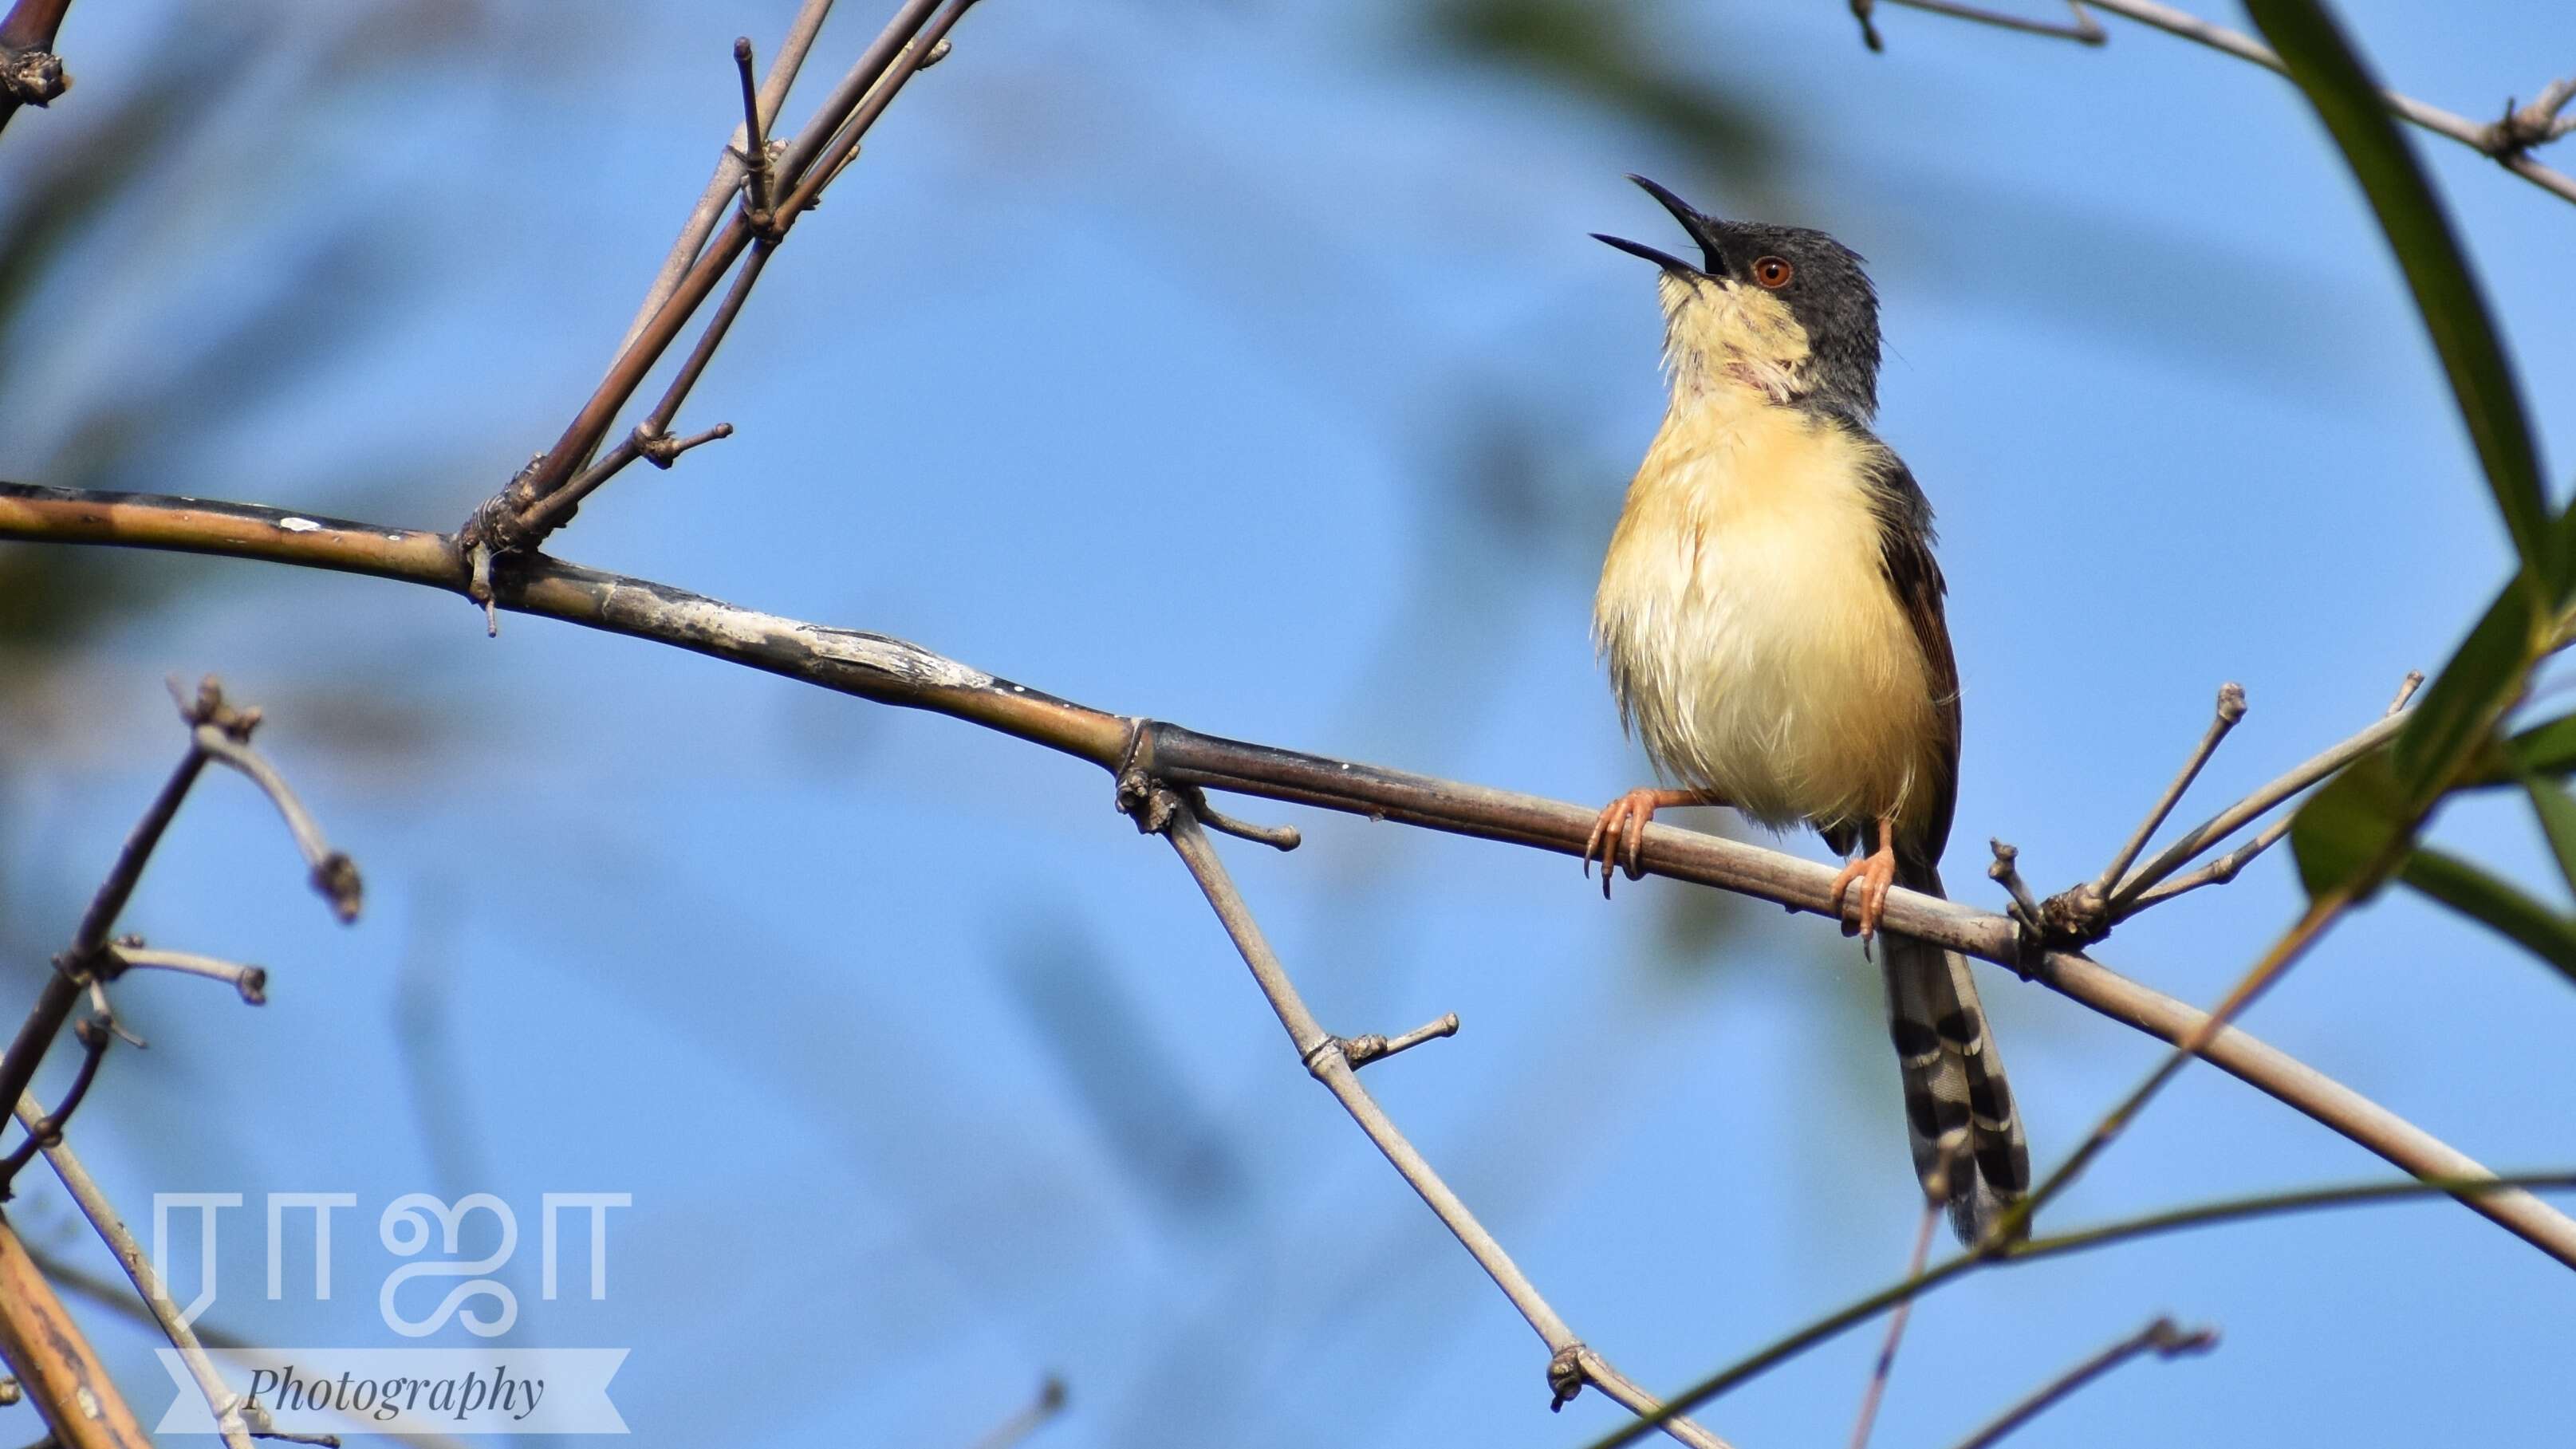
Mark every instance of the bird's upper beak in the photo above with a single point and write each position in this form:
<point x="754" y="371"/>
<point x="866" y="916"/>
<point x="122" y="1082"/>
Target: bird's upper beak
<point x="1702" y="229"/>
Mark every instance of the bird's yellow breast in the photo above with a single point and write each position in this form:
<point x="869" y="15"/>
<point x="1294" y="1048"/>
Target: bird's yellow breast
<point x="1752" y="636"/>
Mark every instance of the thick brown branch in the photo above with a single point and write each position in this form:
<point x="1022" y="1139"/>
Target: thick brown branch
<point x="59" y="1370"/>
<point x="891" y="671"/>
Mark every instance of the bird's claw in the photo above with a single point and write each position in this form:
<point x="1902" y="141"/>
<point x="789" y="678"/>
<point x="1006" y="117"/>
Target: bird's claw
<point x="1876" y="873"/>
<point x="1620" y="830"/>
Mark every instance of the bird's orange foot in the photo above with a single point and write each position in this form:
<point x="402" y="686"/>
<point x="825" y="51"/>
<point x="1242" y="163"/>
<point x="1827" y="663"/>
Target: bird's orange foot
<point x="1621" y="830"/>
<point x="1876" y="872"/>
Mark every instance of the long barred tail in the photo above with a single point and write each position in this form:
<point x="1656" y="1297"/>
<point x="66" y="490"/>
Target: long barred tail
<point x="1959" y="1114"/>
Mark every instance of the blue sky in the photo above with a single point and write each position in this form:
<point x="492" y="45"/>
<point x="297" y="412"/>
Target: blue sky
<point x="1250" y="366"/>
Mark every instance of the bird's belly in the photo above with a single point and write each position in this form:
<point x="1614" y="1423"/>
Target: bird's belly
<point x="1760" y="652"/>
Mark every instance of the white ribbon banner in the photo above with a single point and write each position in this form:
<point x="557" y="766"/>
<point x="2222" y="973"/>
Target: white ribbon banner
<point x="489" y="1390"/>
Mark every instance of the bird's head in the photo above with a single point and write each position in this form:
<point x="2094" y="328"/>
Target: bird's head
<point x="1781" y="309"/>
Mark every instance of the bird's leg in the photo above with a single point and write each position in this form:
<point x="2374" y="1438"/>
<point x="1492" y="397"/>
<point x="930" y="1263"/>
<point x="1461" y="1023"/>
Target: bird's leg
<point x="1621" y="828"/>
<point x="1876" y="872"/>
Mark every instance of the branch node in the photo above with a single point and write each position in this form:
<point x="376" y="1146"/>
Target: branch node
<point x="659" y="448"/>
<point x="1152" y="802"/>
<point x="1359" y="1051"/>
<point x="2518" y="130"/>
<point x="32" y="77"/>
<point x="1566" y="1376"/>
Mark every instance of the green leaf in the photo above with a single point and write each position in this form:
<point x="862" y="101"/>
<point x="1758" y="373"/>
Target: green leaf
<point x="2557" y="812"/>
<point x="2358" y="820"/>
<point x="2548" y="749"/>
<point x="2496" y="903"/>
<point x="2347" y="99"/>
<point x="2456" y="714"/>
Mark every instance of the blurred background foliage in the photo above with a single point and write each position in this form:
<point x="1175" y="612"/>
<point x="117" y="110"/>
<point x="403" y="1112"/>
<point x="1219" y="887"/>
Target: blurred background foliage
<point x="926" y="1085"/>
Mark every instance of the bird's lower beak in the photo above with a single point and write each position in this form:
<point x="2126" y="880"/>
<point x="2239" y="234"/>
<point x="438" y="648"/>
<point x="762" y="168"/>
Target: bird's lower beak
<point x="1702" y="229"/>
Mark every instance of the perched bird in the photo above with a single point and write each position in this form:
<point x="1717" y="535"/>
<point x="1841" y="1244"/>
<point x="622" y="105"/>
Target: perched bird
<point x="1771" y="615"/>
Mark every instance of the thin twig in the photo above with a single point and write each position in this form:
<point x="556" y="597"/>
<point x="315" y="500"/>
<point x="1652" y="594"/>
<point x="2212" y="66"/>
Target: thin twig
<point x="71" y="975"/>
<point x="46" y="1128"/>
<point x="1573" y="1364"/>
<point x="2162" y="1336"/>
<point x="332" y="873"/>
<point x="1886" y="1365"/>
<point x="2226" y="822"/>
<point x="2218" y="872"/>
<point x="1027" y="1419"/>
<point x="120" y="1240"/>
<point x="2006" y="872"/>
<point x="755" y="146"/>
<point x="250" y="981"/>
<point x="727" y="181"/>
<point x="1359" y="1051"/>
<point x="500" y="525"/>
<point x="2082" y="30"/>
<point x="1863" y="1309"/>
<point x="893" y="671"/>
<point x="2488" y="140"/>
<point x="2231" y="708"/>
<point x="2284" y="953"/>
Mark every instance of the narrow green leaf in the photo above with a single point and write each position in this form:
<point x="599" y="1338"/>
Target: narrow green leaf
<point x="2496" y="903"/>
<point x="2355" y="819"/>
<point x="2457" y="712"/>
<point x="2557" y="812"/>
<point x="2547" y="749"/>
<point x="2346" y="97"/>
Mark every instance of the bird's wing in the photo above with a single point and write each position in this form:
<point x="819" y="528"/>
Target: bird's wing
<point x="1905" y="555"/>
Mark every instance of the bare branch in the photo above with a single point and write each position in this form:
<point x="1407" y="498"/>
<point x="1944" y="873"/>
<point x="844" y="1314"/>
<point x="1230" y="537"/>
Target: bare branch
<point x="893" y="671"/>
<point x="71" y="976"/>
<point x="2508" y="141"/>
<point x="55" y="1364"/>
<point x="756" y="179"/>
<point x="250" y="981"/>
<point x="332" y="873"/>
<point x="2082" y="30"/>
<point x="2228" y="821"/>
<point x="2217" y="872"/>
<point x="217" y="731"/>
<point x="120" y="1240"/>
<point x="1027" y="1420"/>
<point x="1359" y="1051"/>
<point x="727" y="181"/>
<point x="2485" y="139"/>
<point x="1886" y="1365"/>
<point x="2283" y="953"/>
<point x="2231" y="708"/>
<point x="1861" y="1310"/>
<point x="46" y="1129"/>
<point x="2162" y="1336"/>
<point x="1573" y="1363"/>
<point x="518" y="517"/>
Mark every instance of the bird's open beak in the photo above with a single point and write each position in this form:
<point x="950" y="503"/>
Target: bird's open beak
<point x="1701" y="228"/>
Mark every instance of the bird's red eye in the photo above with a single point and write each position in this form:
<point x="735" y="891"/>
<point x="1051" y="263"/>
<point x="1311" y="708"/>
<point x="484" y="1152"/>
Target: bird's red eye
<point x="1773" y="272"/>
